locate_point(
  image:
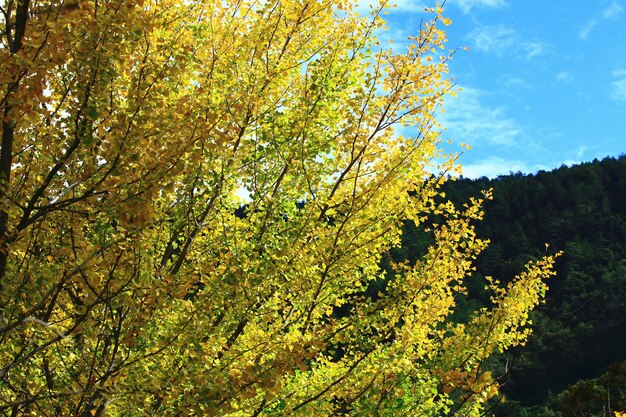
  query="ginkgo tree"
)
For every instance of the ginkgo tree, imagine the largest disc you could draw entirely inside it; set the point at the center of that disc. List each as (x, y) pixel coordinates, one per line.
(134, 281)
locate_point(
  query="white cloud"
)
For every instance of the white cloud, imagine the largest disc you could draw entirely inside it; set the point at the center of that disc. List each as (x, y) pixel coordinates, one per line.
(515, 82)
(467, 5)
(493, 166)
(469, 120)
(411, 6)
(618, 86)
(364, 7)
(613, 10)
(535, 49)
(492, 39)
(392, 36)
(585, 31)
(500, 40)
(416, 6)
(564, 77)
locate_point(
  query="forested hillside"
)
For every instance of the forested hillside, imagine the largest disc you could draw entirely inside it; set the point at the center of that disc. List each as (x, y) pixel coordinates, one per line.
(581, 329)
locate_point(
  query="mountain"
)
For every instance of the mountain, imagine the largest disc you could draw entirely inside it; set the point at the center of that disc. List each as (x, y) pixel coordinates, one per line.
(581, 329)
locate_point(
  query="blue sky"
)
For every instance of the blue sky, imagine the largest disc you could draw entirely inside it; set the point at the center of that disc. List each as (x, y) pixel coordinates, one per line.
(543, 84)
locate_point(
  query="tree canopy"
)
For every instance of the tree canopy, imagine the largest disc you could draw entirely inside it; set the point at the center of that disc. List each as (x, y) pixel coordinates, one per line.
(131, 285)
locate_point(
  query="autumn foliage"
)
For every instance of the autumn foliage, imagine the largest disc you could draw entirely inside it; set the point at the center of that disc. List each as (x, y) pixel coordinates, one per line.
(131, 282)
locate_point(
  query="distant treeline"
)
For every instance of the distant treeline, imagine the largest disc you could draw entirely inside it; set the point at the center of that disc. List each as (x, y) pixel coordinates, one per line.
(581, 330)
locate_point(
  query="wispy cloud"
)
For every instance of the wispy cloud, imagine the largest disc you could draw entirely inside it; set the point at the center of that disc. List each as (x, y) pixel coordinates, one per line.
(514, 82)
(585, 31)
(493, 166)
(564, 77)
(618, 86)
(500, 40)
(534, 49)
(496, 39)
(392, 36)
(410, 6)
(613, 11)
(469, 120)
(468, 5)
